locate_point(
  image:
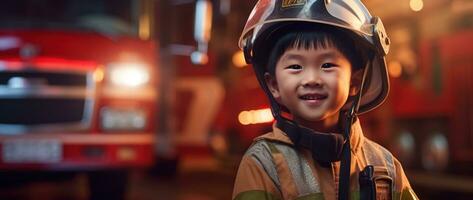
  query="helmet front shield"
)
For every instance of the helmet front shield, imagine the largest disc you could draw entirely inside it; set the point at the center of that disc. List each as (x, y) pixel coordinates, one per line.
(349, 14)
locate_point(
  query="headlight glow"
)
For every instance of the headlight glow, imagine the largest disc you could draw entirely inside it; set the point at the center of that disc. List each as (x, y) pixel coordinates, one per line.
(255, 116)
(128, 74)
(123, 119)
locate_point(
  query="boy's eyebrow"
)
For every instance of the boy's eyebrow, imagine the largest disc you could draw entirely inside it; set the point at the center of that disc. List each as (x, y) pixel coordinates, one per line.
(295, 56)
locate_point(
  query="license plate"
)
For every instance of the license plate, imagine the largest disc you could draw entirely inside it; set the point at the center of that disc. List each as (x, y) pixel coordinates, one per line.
(31, 151)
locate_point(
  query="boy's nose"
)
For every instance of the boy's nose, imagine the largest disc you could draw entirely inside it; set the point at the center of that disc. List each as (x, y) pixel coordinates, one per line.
(311, 79)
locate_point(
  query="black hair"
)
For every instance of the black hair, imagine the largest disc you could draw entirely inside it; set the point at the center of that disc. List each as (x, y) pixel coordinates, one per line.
(304, 35)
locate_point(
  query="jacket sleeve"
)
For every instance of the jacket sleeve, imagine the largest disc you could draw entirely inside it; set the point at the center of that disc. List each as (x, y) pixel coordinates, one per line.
(403, 187)
(252, 182)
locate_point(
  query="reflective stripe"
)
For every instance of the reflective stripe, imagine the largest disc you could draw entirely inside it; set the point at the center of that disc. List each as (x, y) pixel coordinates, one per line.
(300, 170)
(261, 153)
(390, 165)
(408, 194)
(266, 152)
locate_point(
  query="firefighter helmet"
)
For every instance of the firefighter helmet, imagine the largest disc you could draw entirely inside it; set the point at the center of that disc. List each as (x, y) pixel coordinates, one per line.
(348, 15)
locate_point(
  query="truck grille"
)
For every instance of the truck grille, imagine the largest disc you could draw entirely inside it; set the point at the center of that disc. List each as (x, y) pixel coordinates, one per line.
(36, 111)
(45, 100)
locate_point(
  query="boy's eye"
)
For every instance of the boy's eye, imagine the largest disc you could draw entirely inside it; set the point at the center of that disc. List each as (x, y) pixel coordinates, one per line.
(294, 67)
(328, 65)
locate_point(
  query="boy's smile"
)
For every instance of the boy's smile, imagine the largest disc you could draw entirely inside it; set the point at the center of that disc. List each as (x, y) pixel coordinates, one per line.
(313, 84)
(313, 98)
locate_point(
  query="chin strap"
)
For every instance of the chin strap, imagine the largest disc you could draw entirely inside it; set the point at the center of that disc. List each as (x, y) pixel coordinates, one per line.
(325, 147)
(344, 175)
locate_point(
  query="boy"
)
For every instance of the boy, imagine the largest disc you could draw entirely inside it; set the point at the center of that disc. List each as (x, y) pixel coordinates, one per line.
(321, 63)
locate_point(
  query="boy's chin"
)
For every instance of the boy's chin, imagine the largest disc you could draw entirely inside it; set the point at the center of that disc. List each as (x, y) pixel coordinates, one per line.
(317, 119)
(310, 118)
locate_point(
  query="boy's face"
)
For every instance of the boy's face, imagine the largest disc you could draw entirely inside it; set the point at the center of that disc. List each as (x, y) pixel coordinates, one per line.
(314, 84)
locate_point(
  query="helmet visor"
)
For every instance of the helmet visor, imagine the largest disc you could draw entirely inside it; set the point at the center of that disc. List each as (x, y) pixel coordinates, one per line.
(348, 14)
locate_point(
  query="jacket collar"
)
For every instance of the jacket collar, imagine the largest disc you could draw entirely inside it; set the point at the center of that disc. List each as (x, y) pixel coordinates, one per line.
(356, 136)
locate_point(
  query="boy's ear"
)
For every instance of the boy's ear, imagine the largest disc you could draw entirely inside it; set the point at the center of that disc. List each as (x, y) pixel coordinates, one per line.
(272, 85)
(355, 82)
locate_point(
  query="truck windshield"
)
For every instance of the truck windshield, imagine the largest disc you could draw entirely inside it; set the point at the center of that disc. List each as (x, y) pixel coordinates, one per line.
(110, 17)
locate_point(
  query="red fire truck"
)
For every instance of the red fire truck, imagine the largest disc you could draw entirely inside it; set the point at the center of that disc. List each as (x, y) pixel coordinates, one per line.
(426, 121)
(78, 88)
(431, 112)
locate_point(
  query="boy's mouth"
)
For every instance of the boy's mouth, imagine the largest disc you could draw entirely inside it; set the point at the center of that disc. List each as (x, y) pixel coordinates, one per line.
(313, 97)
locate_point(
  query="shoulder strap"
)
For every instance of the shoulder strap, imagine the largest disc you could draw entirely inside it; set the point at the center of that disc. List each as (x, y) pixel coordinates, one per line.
(379, 157)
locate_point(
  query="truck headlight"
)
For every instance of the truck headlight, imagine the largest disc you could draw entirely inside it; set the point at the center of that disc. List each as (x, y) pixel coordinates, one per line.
(128, 74)
(123, 119)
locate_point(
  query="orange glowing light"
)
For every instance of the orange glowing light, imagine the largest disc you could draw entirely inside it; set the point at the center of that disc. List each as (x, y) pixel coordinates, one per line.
(98, 74)
(238, 59)
(255, 116)
(416, 5)
(395, 69)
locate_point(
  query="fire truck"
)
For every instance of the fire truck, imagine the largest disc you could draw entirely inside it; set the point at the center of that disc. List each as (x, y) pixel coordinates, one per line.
(427, 119)
(431, 113)
(78, 88)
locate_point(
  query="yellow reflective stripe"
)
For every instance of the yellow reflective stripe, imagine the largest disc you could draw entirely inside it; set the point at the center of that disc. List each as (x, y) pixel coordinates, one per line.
(272, 148)
(255, 195)
(408, 194)
(355, 195)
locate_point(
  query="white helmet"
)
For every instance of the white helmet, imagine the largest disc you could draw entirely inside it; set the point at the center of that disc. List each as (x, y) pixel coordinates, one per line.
(349, 15)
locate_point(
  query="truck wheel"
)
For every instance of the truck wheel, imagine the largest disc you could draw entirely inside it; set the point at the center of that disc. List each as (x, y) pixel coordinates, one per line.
(108, 184)
(435, 153)
(404, 147)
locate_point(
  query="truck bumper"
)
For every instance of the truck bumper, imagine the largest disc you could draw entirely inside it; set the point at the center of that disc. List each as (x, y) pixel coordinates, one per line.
(76, 151)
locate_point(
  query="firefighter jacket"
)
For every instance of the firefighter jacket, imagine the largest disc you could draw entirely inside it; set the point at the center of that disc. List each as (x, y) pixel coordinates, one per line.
(272, 168)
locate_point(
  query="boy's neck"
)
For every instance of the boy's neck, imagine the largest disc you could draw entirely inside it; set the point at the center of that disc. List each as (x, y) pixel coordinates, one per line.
(327, 125)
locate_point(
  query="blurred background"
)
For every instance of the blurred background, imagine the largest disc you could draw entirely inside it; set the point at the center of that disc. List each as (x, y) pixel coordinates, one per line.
(152, 99)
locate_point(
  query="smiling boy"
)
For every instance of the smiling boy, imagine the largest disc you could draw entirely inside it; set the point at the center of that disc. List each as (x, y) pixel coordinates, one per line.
(320, 63)
(313, 83)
